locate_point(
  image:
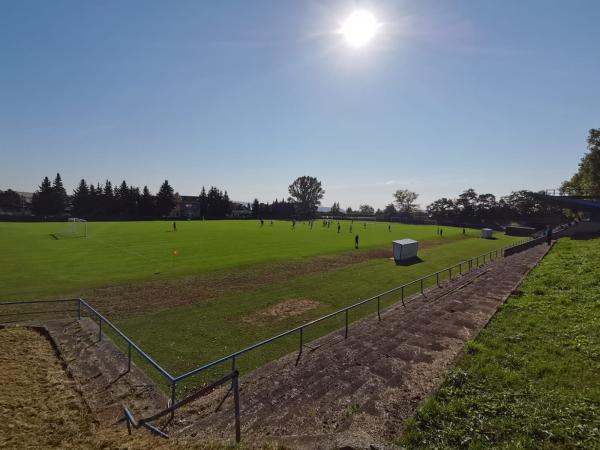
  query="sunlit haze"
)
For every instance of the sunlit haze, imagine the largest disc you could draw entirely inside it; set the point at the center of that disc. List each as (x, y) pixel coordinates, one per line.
(359, 28)
(367, 96)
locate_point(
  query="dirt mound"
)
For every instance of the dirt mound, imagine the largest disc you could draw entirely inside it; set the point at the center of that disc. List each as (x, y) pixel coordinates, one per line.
(282, 310)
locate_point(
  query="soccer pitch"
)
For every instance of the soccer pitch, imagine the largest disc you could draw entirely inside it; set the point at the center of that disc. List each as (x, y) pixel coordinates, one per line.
(213, 287)
(34, 264)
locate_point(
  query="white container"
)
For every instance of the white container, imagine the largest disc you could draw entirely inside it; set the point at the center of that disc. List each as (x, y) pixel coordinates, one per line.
(405, 249)
(486, 233)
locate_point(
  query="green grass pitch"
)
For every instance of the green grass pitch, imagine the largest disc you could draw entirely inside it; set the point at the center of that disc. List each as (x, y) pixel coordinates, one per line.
(35, 265)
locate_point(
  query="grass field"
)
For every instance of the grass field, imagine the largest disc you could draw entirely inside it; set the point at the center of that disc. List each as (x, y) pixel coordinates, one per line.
(531, 379)
(232, 282)
(34, 264)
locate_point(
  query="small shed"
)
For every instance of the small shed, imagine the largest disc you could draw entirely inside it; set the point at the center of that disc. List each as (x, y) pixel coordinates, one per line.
(486, 233)
(405, 249)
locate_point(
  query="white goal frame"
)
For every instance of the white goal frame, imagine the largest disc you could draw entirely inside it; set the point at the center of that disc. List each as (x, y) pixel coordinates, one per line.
(72, 230)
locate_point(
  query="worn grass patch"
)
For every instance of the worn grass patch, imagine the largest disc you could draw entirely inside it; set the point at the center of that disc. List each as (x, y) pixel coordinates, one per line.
(532, 378)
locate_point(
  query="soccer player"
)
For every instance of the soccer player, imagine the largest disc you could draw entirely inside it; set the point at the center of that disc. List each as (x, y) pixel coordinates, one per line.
(390, 228)
(339, 227)
(356, 241)
(174, 226)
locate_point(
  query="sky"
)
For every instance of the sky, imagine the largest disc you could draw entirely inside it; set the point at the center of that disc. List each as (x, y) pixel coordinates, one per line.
(248, 95)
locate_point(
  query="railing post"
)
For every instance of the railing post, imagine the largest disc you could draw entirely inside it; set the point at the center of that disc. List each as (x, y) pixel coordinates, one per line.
(378, 309)
(301, 339)
(173, 396)
(449, 273)
(437, 279)
(129, 357)
(460, 268)
(99, 328)
(402, 295)
(478, 261)
(236, 401)
(79, 309)
(422, 293)
(346, 331)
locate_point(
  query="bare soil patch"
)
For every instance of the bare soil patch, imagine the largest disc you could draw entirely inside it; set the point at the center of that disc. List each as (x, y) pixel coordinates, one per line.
(42, 407)
(282, 310)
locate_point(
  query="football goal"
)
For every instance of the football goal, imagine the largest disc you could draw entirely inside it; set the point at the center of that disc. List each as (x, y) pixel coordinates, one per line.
(75, 228)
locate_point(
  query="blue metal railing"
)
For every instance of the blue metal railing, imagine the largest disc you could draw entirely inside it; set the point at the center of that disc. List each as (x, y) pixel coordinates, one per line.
(461, 267)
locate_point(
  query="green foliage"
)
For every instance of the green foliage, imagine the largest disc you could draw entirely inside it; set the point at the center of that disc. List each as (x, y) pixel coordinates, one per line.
(405, 200)
(587, 179)
(307, 192)
(531, 379)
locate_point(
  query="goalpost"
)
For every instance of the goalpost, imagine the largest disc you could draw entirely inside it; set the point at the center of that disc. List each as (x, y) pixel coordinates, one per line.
(76, 228)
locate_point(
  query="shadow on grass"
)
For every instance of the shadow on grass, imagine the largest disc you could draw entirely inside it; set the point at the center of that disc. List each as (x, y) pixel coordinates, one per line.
(409, 262)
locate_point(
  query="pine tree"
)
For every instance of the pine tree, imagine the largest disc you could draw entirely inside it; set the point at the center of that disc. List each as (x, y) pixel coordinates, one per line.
(81, 198)
(59, 195)
(146, 204)
(165, 199)
(203, 203)
(47, 199)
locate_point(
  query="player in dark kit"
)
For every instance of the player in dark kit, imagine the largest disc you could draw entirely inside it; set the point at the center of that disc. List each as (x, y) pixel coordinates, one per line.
(356, 241)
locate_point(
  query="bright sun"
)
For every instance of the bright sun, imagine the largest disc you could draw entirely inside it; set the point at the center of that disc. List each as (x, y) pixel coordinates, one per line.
(359, 28)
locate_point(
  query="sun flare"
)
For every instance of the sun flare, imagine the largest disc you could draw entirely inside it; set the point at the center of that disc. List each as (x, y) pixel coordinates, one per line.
(359, 28)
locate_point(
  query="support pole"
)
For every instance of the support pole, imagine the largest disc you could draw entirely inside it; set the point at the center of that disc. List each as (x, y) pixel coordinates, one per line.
(129, 357)
(236, 400)
(173, 396)
(346, 331)
(378, 309)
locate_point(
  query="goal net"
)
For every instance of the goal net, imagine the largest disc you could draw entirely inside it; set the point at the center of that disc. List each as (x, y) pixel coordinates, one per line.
(75, 228)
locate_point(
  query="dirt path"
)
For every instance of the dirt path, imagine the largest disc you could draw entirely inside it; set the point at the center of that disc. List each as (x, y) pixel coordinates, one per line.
(358, 392)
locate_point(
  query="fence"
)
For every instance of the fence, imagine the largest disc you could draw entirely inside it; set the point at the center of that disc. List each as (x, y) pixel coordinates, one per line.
(457, 269)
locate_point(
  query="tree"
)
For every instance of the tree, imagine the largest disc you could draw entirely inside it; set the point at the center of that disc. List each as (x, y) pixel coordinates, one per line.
(335, 209)
(405, 200)
(307, 193)
(49, 199)
(389, 210)
(486, 207)
(203, 203)
(108, 199)
(587, 179)
(165, 199)
(366, 209)
(11, 200)
(466, 204)
(442, 209)
(255, 208)
(146, 204)
(349, 210)
(81, 198)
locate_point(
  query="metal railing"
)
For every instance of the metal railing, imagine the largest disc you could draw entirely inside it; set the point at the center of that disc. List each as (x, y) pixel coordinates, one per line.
(456, 270)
